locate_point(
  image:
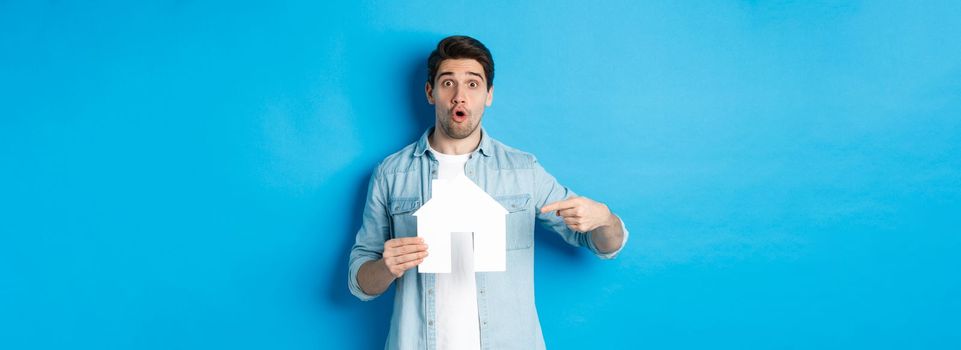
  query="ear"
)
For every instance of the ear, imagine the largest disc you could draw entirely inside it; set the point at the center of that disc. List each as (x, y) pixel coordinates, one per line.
(428, 91)
(490, 97)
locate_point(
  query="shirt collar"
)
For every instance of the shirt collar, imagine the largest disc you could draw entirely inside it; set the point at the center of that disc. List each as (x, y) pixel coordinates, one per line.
(422, 144)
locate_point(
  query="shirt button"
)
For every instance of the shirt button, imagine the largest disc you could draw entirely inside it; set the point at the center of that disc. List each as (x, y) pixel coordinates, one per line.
(432, 323)
(430, 291)
(481, 291)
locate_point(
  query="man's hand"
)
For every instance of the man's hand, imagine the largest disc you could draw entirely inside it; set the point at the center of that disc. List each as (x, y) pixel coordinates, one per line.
(402, 254)
(582, 214)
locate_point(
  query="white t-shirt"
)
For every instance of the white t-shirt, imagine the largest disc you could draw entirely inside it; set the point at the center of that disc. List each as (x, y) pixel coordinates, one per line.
(456, 292)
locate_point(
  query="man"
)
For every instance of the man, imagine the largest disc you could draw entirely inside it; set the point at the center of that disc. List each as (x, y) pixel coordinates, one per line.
(466, 309)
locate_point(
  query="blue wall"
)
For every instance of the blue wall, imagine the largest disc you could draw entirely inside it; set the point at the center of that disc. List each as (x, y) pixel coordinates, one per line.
(190, 175)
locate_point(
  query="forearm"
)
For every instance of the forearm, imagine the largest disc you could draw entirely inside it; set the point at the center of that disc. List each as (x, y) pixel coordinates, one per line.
(374, 277)
(608, 238)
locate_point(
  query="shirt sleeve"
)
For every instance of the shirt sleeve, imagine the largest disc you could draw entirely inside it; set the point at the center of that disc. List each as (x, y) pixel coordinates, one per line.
(374, 231)
(547, 190)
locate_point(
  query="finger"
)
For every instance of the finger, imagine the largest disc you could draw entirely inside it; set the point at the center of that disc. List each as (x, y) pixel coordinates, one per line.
(410, 264)
(577, 224)
(398, 270)
(563, 204)
(407, 249)
(397, 242)
(413, 248)
(570, 212)
(577, 227)
(403, 259)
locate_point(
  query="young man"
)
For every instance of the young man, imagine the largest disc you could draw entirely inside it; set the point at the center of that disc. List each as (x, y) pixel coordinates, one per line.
(466, 309)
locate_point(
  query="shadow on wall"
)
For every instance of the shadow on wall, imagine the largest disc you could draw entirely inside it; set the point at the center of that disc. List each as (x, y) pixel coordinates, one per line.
(374, 316)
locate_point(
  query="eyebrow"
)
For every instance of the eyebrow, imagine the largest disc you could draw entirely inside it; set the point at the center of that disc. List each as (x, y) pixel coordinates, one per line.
(469, 73)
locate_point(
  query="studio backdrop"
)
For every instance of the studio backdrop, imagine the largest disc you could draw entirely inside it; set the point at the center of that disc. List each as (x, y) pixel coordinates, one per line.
(191, 174)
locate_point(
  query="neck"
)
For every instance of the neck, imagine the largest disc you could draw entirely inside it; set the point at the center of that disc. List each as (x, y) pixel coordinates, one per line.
(442, 143)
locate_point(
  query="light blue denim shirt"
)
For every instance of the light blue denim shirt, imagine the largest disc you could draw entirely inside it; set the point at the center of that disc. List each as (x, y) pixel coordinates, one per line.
(505, 300)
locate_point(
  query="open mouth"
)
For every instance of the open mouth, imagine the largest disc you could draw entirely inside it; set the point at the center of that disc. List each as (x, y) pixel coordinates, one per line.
(459, 116)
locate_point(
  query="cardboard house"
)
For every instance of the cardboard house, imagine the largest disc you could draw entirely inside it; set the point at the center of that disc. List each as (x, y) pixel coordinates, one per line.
(459, 205)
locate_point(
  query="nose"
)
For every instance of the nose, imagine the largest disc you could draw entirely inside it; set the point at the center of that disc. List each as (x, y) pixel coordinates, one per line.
(459, 96)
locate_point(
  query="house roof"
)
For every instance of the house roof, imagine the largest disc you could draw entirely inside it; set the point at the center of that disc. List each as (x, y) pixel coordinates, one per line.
(459, 193)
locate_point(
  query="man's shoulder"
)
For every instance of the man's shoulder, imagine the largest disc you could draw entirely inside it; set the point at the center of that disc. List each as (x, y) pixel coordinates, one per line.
(396, 162)
(509, 157)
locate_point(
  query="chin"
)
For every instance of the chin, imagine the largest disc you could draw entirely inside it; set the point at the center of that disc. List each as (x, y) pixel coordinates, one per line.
(459, 134)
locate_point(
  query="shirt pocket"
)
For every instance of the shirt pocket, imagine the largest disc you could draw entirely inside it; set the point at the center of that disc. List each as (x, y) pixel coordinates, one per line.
(520, 220)
(403, 223)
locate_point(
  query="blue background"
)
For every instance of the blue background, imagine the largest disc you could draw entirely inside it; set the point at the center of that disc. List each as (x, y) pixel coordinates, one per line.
(190, 175)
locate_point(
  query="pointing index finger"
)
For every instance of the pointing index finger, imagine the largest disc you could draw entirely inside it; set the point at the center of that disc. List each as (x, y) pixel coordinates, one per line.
(559, 205)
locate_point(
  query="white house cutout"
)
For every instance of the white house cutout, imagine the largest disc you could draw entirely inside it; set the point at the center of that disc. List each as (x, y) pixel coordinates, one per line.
(459, 205)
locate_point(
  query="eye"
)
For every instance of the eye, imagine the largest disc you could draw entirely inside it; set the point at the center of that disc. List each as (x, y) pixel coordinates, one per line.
(472, 84)
(448, 83)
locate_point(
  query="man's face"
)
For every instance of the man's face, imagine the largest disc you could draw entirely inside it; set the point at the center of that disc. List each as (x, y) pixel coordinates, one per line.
(459, 96)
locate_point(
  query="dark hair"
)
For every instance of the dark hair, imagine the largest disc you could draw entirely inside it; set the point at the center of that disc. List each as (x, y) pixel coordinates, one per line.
(457, 47)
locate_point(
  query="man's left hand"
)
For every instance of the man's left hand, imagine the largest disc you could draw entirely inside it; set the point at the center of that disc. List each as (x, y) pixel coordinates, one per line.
(582, 214)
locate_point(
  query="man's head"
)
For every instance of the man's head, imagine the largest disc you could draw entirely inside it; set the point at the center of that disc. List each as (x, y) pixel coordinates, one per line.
(460, 83)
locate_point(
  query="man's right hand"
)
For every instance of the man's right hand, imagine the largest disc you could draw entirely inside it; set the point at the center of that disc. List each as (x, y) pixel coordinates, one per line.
(402, 254)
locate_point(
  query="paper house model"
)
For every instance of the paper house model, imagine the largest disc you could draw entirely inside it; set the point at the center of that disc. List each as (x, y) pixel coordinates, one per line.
(459, 205)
